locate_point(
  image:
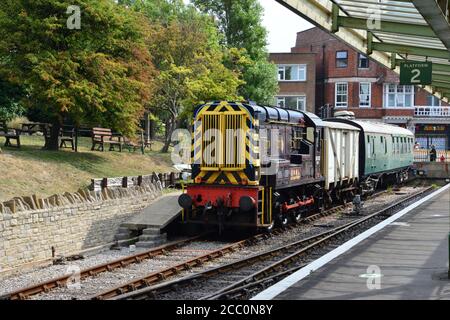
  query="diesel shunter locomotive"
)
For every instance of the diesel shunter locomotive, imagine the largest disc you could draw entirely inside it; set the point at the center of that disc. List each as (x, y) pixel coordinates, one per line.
(257, 166)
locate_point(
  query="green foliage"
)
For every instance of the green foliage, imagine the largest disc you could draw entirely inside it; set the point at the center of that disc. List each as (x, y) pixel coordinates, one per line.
(9, 101)
(261, 82)
(188, 55)
(240, 24)
(101, 74)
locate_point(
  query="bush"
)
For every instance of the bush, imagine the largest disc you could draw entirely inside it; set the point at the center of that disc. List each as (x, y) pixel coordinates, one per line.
(16, 122)
(11, 111)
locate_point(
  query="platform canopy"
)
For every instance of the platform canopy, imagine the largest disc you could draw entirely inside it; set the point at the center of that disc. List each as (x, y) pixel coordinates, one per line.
(390, 32)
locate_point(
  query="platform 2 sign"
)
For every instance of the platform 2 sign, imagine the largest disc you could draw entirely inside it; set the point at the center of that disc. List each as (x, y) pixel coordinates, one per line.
(416, 73)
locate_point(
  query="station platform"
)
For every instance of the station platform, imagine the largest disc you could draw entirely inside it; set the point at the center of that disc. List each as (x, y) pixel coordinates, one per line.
(157, 215)
(406, 259)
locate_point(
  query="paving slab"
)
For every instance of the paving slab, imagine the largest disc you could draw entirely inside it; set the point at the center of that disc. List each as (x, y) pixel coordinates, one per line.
(157, 215)
(408, 259)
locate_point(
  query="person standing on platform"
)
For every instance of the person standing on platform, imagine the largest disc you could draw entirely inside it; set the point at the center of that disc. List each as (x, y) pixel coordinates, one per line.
(433, 153)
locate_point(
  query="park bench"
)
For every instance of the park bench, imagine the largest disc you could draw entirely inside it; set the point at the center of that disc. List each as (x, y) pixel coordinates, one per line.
(67, 135)
(9, 134)
(138, 142)
(102, 136)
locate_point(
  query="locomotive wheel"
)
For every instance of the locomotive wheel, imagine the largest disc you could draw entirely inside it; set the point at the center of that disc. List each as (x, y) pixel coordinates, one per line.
(297, 217)
(283, 220)
(269, 229)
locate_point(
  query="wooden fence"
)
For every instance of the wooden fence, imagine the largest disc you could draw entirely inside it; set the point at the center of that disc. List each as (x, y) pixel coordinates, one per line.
(423, 155)
(166, 180)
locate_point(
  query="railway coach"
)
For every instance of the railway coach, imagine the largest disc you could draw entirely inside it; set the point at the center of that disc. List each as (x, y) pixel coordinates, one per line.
(257, 166)
(386, 152)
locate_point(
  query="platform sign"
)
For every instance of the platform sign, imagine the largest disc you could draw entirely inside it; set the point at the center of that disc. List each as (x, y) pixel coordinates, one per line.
(416, 73)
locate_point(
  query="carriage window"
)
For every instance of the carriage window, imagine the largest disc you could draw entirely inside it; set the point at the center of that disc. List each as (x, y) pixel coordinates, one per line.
(373, 145)
(385, 145)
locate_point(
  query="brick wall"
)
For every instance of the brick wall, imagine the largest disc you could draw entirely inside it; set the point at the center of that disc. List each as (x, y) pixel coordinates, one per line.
(325, 46)
(29, 227)
(307, 87)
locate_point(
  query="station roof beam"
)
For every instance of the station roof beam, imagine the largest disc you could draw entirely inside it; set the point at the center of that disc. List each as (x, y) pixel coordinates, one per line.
(390, 31)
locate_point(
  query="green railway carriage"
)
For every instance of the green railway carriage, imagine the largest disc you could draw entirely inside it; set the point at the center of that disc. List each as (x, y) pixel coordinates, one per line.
(386, 151)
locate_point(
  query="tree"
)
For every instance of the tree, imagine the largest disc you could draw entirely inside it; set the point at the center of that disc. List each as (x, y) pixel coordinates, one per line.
(240, 24)
(101, 74)
(186, 51)
(10, 96)
(190, 72)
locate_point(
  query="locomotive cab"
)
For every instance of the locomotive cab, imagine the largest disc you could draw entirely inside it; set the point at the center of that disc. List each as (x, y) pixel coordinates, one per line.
(251, 165)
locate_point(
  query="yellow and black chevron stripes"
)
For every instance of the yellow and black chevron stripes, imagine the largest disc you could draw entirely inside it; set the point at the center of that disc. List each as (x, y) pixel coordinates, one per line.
(235, 166)
(225, 177)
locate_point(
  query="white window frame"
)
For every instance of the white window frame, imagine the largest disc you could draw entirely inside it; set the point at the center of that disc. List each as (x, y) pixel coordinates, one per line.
(299, 98)
(434, 98)
(397, 94)
(281, 99)
(368, 61)
(370, 94)
(300, 67)
(336, 95)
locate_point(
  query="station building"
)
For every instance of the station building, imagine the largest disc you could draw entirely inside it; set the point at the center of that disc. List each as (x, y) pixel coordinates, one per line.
(296, 80)
(347, 80)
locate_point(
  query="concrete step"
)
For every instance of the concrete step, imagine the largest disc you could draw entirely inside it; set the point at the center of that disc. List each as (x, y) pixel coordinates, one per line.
(122, 236)
(123, 230)
(151, 231)
(149, 244)
(146, 237)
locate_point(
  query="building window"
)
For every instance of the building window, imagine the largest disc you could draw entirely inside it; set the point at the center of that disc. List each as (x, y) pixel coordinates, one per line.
(397, 96)
(292, 102)
(363, 61)
(364, 94)
(294, 72)
(433, 101)
(281, 102)
(341, 59)
(341, 94)
(301, 103)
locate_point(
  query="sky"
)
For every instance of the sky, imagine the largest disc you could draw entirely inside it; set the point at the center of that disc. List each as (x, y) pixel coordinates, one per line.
(282, 26)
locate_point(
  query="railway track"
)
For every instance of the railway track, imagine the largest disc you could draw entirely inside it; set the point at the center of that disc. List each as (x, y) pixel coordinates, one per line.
(161, 275)
(60, 282)
(243, 278)
(165, 272)
(46, 286)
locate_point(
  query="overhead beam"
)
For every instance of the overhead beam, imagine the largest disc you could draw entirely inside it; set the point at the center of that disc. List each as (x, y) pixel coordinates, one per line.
(438, 18)
(436, 66)
(418, 51)
(385, 26)
(320, 14)
(441, 78)
(437, 85)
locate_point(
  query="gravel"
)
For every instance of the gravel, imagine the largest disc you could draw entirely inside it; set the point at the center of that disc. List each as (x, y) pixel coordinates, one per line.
(107, 280)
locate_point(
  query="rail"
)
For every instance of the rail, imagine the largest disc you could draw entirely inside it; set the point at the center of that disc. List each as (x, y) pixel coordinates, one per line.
(288, 254)
(46, 286)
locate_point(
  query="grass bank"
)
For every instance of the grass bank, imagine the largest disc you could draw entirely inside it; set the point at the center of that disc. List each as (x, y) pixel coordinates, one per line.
(31, 170)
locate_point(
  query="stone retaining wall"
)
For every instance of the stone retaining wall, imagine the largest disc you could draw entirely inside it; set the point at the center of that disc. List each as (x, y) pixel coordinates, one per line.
(30, 226)
(434, 170)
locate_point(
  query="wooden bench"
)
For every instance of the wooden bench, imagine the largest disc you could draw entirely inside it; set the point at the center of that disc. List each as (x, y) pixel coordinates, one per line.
(138, 142)
(100, 136)
(9, 134)
(67, 135)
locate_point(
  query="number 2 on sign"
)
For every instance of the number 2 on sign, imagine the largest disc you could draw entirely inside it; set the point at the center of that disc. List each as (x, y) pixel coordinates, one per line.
(416, 75)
